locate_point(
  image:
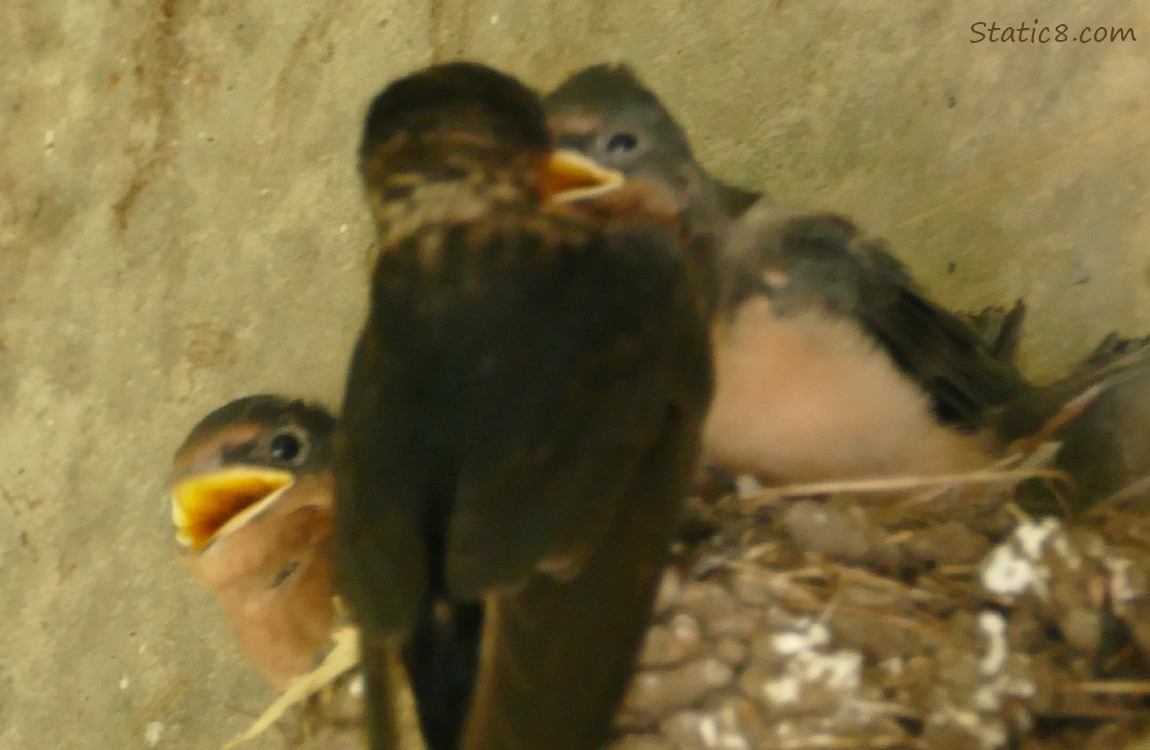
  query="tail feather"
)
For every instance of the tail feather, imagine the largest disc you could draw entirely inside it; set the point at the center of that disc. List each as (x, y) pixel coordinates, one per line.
(1101, 415)
(558, 656)
(442, 659)
(381, 706)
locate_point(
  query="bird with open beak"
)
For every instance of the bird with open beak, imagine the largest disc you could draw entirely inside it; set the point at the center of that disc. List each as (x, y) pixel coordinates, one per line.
(522, 409)
(830, 362)
(252, 503)
(605, 112)
(261, 540)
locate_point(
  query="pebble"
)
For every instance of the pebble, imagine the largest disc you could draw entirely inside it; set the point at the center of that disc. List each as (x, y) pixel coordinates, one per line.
(948, 543)
(837, 532)
(753, 586)
(741, 624)
(731, 651)
(655, 695)
(682, 731)
(639, 742)
(670, 590)
(716, 729)
(676, 641)
(709, 602)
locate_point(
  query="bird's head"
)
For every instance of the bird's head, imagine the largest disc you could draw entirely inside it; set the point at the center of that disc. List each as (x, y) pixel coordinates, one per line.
(252, 500)
(606, 113)
(469, 126)
(240, 460)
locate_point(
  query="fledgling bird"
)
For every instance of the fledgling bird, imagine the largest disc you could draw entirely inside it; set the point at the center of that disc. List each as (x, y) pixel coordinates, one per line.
(252, 504)
(1105, 450)
(252, 496)
(605, 112)
(849, 369)
(830, 362)
(522, 410)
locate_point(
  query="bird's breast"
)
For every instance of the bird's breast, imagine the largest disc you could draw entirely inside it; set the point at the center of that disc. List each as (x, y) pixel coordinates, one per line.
(808, 397)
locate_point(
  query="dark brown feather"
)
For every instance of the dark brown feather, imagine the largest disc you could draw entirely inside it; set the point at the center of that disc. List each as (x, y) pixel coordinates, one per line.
(521, 366)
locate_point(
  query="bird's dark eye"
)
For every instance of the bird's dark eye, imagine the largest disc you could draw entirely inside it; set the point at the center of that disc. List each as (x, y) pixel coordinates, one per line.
(285, 447)
(622, 143)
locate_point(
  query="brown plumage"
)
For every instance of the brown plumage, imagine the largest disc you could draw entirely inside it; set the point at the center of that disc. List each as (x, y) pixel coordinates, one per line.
(521, 416)
(815, 318)
(282, 620)
(830, 362)
(252, 503)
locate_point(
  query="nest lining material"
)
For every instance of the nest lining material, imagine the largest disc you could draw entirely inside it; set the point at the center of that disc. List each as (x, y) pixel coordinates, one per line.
(929, 613)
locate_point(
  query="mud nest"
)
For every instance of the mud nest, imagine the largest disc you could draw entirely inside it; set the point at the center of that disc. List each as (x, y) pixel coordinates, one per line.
(963, 613)
(974, 612)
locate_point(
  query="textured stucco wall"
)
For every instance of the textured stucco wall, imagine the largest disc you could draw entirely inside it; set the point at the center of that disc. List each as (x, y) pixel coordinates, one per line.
(180, 224)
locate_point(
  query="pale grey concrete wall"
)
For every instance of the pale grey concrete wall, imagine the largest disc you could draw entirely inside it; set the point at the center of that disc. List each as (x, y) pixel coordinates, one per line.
(180, 224)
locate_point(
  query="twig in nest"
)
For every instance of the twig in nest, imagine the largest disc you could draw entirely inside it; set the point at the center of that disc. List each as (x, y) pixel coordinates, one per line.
(1099, 713)
(838, 742)
(343, 657)
(1042, 456)
(1111, 687)
(1071, 410)
(797, 596)
(772, 495)
(958, 591)
(956, 571)
(1135, 490)
(885, 708)
(933, 632)
(809, 573)
(900, 537)
(864, 577)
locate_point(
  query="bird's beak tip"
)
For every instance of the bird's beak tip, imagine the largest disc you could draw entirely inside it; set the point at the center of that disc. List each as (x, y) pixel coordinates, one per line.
(569, 176)
(206, 505)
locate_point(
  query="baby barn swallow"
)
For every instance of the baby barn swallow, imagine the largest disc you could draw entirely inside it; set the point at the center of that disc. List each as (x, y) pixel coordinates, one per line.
(830, 363)
(522, 410)
(1104, 450)
(605, 112)
(848, 368)
(252, 504)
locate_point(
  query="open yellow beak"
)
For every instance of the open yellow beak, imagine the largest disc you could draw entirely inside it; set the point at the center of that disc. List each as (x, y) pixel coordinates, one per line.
(207, 505)
(570, 176)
